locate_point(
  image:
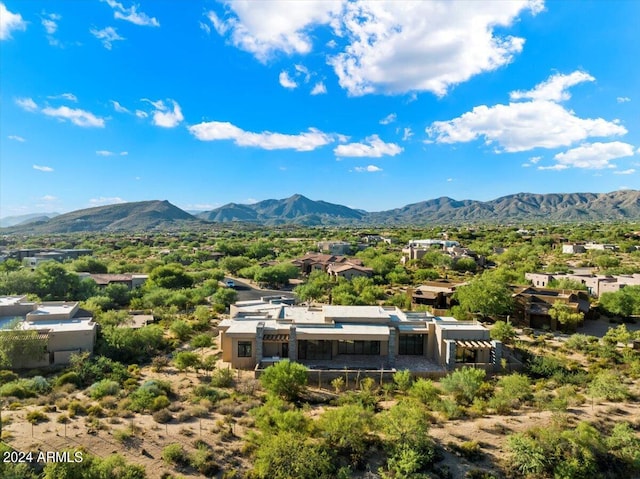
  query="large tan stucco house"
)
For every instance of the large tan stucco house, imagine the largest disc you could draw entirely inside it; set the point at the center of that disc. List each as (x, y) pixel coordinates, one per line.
(262, 332)
(63, 326)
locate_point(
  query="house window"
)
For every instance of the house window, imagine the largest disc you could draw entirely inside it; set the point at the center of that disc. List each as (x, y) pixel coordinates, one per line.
(359, 347)
(244, 349)
(310, 349)
(411, 344)
(465, 355)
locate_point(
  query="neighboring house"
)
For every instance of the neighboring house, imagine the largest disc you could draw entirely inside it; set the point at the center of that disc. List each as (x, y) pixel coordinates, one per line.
(601, 246)
(416, 249)
(429, 243)
(573, 248)
(321, 262)
(437, 294)
(34, 256)
(335, 247)
(333, 337)
(457, 252)
(532, 305)
(64, 327)
(130, 280)
(349, 271)
(595, 284)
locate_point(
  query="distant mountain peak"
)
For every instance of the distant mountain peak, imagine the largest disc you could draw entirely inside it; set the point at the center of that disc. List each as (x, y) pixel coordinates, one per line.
(298, 209)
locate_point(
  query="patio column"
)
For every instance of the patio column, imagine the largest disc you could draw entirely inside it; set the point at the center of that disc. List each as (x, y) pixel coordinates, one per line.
(259, 338)
(293, 343)
(391, 356)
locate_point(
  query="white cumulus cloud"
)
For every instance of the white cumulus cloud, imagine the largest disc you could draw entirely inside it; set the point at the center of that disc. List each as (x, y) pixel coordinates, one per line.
(319, 89)
(553, 89)
(623, 99)
(406, 134)
(10, 22)
(75, 115)
(399, 46)
(522, 126)
(132, 14)
(163, 115)
(372, 147)
(367, 169)
(46, 169)
(50, 25)
(267, 140)
(64, 96)
(16, 138)
(107, 36)
(26, 104)
(391, 46)
(593, 155)
(48, 198)
(118, 107)
(263, 28)
(286, 81)
(630, 171)
(390, 118)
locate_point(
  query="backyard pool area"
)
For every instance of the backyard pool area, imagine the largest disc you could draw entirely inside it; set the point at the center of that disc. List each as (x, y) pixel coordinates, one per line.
(7, 322)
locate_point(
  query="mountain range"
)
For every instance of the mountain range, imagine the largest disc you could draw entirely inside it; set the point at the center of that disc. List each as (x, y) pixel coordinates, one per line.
(297, 209)
(8, 221)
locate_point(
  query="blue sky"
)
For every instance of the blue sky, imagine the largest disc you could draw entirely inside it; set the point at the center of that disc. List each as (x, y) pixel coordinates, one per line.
(373, 105)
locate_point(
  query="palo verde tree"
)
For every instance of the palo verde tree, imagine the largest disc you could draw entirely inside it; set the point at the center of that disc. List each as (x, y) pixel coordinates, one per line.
(485, 296)
(170, 276)
(285, 379)
(566, 316)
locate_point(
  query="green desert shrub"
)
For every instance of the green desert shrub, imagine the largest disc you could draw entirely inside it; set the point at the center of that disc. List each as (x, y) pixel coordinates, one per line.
(201, 341)
(70, 377)
(103, 388)
(174, 454)
(222, 378)
(142, 399)
(36, 416)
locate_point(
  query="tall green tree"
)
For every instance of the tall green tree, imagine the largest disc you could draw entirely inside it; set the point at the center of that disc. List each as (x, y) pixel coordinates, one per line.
(291, 455)
(566, 316)
(485, 296)
(170, 276)
(286, 379)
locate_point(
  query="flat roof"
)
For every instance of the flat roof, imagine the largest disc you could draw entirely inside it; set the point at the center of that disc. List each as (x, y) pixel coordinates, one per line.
(61, 326)
(11, 300)
(249, 326)
(51, 308)
(301, 315)
(353, 331)
(377, 312)
(462, 325)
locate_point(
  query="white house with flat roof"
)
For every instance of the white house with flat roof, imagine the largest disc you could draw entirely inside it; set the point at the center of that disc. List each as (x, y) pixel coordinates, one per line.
(65, 327)
(332, 337)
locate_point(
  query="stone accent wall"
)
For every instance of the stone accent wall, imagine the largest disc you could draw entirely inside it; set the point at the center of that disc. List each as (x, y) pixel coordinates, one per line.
(259, 338)
(293, 344)
(391, 356)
